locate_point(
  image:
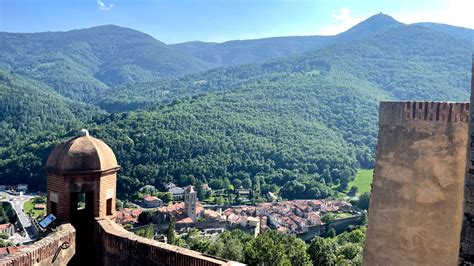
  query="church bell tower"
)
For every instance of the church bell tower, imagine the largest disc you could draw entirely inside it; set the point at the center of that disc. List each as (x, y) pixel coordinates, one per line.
(190, 202)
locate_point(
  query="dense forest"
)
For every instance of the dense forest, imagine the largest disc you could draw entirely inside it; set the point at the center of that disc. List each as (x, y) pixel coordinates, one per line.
(300, 124)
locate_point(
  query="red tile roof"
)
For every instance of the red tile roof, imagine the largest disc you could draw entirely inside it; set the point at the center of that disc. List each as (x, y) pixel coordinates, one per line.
(39, 206)
(5, 226)
(186, 220)
(150, 198)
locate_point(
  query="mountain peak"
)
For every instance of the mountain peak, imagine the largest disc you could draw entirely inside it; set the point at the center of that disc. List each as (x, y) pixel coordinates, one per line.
(373, 25)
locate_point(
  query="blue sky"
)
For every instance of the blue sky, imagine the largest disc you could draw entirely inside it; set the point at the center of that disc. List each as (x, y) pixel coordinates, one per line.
(175, 21)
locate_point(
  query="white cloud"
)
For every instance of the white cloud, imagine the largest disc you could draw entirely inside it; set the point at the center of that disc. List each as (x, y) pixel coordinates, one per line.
(103, 6)
(342, 22)
(453, 12)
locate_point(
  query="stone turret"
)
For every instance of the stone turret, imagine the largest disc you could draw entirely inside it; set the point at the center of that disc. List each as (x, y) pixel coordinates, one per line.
(82, 174)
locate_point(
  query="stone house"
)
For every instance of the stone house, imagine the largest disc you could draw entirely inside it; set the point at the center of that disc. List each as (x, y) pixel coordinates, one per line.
(8, 229)
(151, 202)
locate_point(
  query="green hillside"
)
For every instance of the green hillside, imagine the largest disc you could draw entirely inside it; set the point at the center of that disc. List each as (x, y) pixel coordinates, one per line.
(403, 62)
(319, 107)
(80, 64)
(28, 108)
(32, 119)
(284, 128)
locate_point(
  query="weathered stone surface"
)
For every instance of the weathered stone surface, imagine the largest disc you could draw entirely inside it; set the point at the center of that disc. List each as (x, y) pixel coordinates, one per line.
(416, 210)
(43, 252)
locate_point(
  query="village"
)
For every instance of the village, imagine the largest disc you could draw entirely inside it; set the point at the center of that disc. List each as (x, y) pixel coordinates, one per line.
(183, 206)
(299, 217)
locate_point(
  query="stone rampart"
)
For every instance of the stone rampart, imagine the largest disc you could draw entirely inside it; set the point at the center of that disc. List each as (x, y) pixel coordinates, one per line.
(416, 205)
(56, 249)
(117, 246)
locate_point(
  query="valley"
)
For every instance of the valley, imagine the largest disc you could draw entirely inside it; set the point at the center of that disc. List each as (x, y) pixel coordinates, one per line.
(277, 131)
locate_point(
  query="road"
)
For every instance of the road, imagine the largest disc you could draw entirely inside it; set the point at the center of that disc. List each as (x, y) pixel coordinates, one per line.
(17, 201)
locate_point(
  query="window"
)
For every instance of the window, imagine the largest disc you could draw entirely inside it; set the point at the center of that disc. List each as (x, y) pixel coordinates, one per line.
(54, 208)
(109, 206)
(81, 201)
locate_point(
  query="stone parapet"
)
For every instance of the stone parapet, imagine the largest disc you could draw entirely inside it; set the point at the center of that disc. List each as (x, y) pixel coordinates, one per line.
(397, 113)
(120, 247)
(56, 249)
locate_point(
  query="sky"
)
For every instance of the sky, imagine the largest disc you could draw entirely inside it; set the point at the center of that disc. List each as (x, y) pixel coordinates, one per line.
(174, 21)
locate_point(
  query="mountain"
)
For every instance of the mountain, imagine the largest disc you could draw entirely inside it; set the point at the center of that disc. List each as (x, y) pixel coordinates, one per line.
(301, 118)
(84, 64)
(251, 51)
(80, 64)
(459, 32)
(259, 50)
(374, 25)
(404, 62)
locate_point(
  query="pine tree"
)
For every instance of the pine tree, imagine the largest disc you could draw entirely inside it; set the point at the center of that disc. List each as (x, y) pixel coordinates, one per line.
(170, 232)
(3, 216)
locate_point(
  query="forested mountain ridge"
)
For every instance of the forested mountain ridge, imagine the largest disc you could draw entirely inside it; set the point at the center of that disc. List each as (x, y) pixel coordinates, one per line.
(85, 64)
(459, 32)
(80, 64)
(33, 117)
(326, 98)
(28, 108)
(405, 62)
(259, 50)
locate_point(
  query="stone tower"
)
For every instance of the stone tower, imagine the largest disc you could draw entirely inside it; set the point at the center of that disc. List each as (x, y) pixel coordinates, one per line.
(190, 202)
(81, 174)
(466, 254)
(416, 204)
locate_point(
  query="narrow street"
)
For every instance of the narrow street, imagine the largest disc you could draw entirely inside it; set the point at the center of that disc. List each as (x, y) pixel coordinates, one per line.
(17, 202)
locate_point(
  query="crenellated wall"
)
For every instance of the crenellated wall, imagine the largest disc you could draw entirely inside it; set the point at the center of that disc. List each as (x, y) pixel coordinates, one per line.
(56, 249)
(416, 206)
(117, 246)
(437, 111)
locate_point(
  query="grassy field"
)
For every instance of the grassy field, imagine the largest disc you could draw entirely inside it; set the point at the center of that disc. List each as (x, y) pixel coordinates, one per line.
(363, 180)
(29, 207)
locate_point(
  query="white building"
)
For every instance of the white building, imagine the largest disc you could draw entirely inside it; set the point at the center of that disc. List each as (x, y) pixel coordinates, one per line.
(177, 192)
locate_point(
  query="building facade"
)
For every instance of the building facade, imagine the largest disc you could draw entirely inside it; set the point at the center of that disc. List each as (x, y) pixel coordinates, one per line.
(7, 228)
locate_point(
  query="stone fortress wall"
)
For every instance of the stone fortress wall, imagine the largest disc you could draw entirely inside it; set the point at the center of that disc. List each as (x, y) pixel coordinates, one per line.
(56, 249)
(118, 246)
(416, 207)
(114, 245)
